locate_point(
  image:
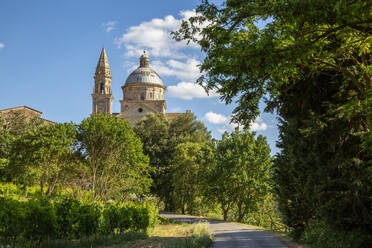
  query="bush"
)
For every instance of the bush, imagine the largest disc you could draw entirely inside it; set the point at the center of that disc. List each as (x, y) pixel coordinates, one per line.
(36, 220)
(12, 219)
(40, 220)
(124, 217)
(319, 234)
(89, 219)
(67, 211)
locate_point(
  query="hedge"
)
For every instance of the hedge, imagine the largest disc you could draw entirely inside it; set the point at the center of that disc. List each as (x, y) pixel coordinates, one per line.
(36, 220)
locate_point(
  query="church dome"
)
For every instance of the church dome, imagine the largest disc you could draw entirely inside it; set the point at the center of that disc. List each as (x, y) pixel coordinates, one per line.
(144, 73)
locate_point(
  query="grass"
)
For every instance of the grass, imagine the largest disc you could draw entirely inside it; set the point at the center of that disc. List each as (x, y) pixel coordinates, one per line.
(169, 235)
(174, 236)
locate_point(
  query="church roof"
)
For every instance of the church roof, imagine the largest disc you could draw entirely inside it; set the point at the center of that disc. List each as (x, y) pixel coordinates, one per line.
(103, 67)
(103, 61)
(144, 73)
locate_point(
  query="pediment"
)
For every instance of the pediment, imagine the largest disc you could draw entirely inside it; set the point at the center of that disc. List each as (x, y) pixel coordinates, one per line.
(137, 110)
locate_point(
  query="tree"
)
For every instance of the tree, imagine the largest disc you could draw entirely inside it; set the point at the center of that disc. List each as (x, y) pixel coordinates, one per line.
(242, 174)
(247, 62)
(41, 155)
(114, 155)
(185, 176)
(186, 128)
(154, 133)
(323, 175)
(312, 60)
(160, 137)
(13, 125)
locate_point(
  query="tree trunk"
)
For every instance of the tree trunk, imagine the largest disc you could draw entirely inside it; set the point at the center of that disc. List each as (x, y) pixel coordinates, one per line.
(52, 184)
(94, 169)
(42, 187)
(241, 213)
(225, 212)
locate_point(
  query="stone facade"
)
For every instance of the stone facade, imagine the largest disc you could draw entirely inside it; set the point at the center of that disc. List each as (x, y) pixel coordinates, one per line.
(102, 93)
(143, 91)
(25, 112)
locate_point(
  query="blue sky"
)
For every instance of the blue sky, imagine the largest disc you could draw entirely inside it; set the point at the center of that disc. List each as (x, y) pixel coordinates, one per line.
(49, 50)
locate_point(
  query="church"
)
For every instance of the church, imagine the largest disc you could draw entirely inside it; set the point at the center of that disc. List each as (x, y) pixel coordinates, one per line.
(143, 91)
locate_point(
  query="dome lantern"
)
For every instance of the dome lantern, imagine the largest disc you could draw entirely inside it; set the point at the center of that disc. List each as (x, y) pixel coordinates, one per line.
(144, 73)
(144, 60)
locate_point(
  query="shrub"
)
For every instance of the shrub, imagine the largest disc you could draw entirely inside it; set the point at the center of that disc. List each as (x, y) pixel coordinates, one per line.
(89, 219)
(68, 215)
(40, 220)
(12, 219)
(36, 220)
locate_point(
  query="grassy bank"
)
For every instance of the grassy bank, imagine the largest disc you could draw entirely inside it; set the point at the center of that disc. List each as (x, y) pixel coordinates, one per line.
(174, 235)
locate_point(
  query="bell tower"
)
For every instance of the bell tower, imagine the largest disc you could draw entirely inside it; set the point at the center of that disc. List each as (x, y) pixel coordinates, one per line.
(102, 93)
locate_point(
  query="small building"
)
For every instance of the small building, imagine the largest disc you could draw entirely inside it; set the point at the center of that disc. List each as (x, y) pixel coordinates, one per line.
(23, 112)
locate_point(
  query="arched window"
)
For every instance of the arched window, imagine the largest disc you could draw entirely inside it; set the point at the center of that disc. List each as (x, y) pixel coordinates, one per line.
(102, 89)
(142, 96)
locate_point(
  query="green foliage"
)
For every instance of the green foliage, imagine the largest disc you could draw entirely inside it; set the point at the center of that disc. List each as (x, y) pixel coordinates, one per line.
(311, 62)
(42, 155)
(89, 219)
(247, 62)
(67, 212)
(40, 220)
(320, 235)
(185, 177)
(12, 126)
(160, 138)
(11, 219)
(124, 217)
(241, 176)
(33, 221)
(114, 157)
(323, 174)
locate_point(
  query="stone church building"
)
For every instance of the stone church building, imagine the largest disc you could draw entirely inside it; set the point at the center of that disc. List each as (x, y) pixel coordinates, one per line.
(143, 91)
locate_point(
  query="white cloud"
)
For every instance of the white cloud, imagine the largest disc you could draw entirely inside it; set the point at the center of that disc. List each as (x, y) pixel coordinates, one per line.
(155, 37)
(185, 71)
(2, 45)
(258, 125)
(215, 118)
(188, 91)
(109, 26)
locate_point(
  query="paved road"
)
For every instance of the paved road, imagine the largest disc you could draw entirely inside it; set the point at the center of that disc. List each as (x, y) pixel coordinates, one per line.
(229, 235)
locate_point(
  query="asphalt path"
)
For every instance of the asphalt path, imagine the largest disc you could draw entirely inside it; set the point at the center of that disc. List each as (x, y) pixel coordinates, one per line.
(226, 235)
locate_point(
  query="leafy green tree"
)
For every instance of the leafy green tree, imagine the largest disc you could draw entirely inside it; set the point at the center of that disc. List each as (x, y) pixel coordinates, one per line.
(322, 173)
(154, 133)
(186, 128)
(242, 174)
(247, 62)
(160, 137)
(185, 177)
(114, 155)
(12, 126)
(42, 155)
